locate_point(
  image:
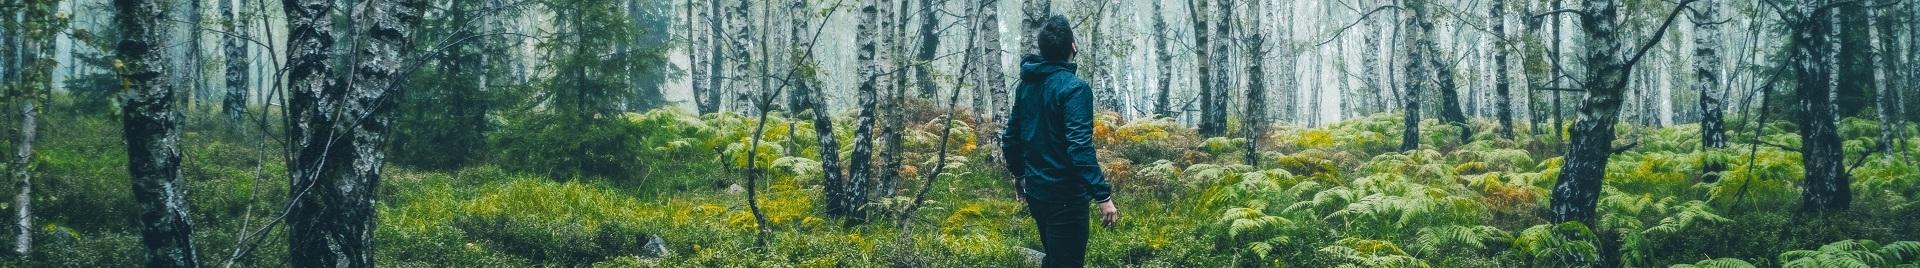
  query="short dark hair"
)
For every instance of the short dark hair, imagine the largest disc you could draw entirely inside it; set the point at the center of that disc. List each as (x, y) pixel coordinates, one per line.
(1055, 38)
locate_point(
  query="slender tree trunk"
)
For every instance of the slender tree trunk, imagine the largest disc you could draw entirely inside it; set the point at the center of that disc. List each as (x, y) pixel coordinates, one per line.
(23, 179)
(1502, 81)
(707, 93)
(896, 26)
(1450, 110)
(805, 81)
(235, 104)
(152, 135)
(1559, 116)
(1883, 105)
(742, 39)
(1202, 52)
(34, 63)
(1706, 73)
(1578, 191)
(993, 76)
(1256, 114)
(861, 164)
(1370, 61)
(1417, 74)
(928, 49)
(196, 56)
(1213, 112)
(1817, 65)
(1163, 58)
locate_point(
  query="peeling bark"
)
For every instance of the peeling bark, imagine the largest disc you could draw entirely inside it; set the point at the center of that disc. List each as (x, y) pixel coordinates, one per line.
(1706, 73)
(152, 123)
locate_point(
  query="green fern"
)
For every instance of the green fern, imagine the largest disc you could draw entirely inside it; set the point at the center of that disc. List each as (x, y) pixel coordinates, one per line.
(1855, 253)
(1717, 263)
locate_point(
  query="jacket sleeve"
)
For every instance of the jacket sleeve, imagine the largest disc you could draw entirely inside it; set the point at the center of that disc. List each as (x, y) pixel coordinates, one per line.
(1078, 115)
(1010, 148)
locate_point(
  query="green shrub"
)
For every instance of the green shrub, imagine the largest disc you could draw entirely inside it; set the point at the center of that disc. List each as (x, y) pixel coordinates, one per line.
(572, 222)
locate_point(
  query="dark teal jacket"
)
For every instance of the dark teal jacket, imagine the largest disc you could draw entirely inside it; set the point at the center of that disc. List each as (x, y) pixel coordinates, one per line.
(1048, 141)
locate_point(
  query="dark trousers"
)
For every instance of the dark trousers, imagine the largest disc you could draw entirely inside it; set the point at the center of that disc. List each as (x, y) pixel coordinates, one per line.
(1063, 232)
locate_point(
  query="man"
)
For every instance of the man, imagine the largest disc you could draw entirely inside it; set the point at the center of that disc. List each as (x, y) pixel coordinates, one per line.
(1048, 145)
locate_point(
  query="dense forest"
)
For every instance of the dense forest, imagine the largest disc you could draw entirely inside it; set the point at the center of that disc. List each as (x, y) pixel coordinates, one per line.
(866, 133)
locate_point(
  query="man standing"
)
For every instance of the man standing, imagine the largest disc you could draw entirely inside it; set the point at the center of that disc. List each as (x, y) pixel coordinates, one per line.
(1049, 148)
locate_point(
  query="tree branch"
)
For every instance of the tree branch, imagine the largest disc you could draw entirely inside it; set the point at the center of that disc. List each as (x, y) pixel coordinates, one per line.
(1363, 18)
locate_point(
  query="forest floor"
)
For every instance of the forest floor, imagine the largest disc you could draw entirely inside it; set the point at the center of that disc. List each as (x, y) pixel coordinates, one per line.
(1339, 195)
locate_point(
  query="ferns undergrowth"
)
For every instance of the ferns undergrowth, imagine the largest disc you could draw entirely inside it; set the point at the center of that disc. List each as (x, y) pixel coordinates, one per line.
(1337, 196)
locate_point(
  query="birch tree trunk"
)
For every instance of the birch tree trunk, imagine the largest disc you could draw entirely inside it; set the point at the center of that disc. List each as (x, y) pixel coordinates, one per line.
(152, 125)
(1197, 9)
(1213, 109)
(340, 129)
(896, 26)
(1502, 80)
(993, 76)
(1816, 62)
(872, 66)
(1163, 63)
(235, 103)
(805, 81)
(23, 178)
(742, 30)
(1882, 104)
(1417, 74)
(1256, 115)
(715, 72)
(1370, 66)
(1450, 110)
(1578, 191)
(1706, 73)
(928, 49)
(1034, 12)
(34, 62)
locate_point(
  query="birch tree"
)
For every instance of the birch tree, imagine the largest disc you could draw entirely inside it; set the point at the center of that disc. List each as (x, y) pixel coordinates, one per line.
(872, 68)
(1706, 74)
(1163, 63)
(1256, 113)
(340, 128)
(152, 133)
(1815, 58)
(34, 62)
(234, 44)
(1609, 63)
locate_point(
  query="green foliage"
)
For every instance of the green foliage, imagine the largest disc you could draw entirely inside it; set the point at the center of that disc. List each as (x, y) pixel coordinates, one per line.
(660, 148)
(1717, 263)
(1856, 253)
(1563, 245)
(573, 223)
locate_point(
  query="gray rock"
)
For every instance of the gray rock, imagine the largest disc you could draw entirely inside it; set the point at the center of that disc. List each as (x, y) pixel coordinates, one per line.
(1033, 256)
(735, 189)
(655, 248)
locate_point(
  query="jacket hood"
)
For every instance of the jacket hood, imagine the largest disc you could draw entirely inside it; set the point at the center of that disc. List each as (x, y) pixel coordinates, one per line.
(1033, 68)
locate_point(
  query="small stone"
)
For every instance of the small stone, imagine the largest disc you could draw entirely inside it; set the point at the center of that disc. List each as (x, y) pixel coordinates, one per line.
(736, 189)
(1033, 256)
(655, 248)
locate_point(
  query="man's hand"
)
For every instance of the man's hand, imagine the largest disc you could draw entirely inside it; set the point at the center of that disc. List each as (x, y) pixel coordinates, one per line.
(1108, 214)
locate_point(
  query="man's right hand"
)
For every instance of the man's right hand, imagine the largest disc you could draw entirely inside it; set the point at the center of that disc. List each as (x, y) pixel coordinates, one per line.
(1109, 215)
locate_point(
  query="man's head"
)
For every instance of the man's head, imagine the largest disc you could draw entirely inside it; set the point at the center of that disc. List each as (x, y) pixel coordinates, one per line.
(1056, 39)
